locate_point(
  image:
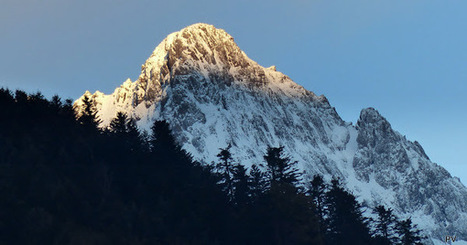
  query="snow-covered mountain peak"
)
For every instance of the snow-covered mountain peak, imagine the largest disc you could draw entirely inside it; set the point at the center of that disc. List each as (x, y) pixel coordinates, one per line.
(198, 44)
(202, 57)
(372, 125)
(204, 50)
(370, 115)
(371, 118)
(213, 95)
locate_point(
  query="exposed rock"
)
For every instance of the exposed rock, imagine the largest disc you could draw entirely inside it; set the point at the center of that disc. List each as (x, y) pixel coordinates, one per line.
(213, 95)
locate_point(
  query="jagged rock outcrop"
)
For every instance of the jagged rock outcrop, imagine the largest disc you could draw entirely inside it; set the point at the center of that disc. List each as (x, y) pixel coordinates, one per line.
(213, 95)
(417, 186)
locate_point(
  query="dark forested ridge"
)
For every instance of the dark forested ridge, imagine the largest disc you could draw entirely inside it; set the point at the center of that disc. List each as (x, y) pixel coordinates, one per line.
(65, 181)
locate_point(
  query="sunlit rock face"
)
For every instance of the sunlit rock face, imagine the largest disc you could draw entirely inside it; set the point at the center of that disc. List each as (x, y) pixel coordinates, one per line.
(213, 95)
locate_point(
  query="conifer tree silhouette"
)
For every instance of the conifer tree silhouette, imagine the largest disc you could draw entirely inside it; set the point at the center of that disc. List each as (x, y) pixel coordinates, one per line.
(134, 137)
(118, 125)
(385, 225)
(290, 215)
(164, 148)
(345, 221)
(258, 183)
(241, 185)
(409, 233)
(281, 169)
(226, 169)
(89, 118)
(59, 185)
(317, 191)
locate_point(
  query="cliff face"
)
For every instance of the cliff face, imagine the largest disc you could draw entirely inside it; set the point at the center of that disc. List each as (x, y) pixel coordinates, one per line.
(213, 95)
(418, 187)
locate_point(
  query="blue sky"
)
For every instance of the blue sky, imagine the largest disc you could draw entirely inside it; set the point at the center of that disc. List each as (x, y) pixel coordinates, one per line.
(405, 58)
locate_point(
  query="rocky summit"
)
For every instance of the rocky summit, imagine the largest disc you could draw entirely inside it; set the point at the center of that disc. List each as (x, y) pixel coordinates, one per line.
(213, 95)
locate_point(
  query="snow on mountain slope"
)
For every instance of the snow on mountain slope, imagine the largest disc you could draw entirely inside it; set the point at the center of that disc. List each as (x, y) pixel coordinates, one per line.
(213, 95)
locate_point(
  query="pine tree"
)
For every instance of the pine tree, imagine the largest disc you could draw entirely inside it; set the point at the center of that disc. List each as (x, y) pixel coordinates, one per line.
(226, 171)
(21, 97)
(6, 97)
(7, 102)
(38, 100)
(163, 145)
(345, 221)
(409, 233)
(241, 185)
(67, 111)
(286, 214)
(385, 225)
(134, 137)
(162, 136)
(281, 169)
(118, 125)
(89, 117)
(56, 104)
(126, 131)
(317, 191)
(257, 182)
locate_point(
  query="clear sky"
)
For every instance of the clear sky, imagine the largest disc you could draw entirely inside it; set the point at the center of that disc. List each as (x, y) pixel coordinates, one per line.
(408, 59)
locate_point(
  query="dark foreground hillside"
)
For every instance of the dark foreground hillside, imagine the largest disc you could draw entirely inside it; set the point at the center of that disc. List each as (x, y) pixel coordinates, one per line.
(64, 181)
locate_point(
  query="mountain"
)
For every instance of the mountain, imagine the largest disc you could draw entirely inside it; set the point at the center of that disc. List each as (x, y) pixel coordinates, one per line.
(213, 95)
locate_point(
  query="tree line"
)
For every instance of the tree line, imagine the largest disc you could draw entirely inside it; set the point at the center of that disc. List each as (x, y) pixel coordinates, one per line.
(64, 180)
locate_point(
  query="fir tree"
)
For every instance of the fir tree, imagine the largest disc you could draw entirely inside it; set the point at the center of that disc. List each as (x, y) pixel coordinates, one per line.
(385, 225)
(134, 137)
(21, 97)
(287, 214)
(6, 97)
(241, 185)
(56, 102)
(56, 105)
(127, 139)
(67, 111)
(119, 124)
(409, 233)
(89, 118)
(345, 221)
(281, 169)
(317, 191)
(257, 182)
(226, 169)
(38, 100)
(162, 137)
(163, 145)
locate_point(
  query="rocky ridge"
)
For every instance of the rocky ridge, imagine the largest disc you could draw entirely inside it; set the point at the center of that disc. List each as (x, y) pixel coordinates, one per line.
(213, 95)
